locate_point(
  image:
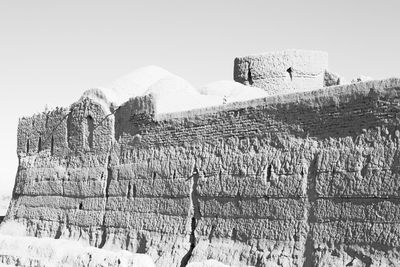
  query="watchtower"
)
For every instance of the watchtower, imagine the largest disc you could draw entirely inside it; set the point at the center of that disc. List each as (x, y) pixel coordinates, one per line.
(283, 72)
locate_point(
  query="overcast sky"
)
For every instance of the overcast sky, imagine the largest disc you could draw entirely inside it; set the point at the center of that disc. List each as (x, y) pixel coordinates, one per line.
(50, 51)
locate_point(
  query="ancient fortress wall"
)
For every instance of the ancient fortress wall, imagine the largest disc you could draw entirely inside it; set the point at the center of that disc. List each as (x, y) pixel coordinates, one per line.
(307, 179)
(285, 71)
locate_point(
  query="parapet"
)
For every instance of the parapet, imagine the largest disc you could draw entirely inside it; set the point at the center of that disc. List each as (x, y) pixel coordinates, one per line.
(283, 72)
(213, 182)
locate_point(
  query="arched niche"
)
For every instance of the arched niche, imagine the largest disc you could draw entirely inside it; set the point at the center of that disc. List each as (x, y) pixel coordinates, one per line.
(90, 127)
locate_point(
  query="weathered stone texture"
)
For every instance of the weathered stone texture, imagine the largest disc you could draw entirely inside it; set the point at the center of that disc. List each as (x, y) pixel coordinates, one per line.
(331, 79)
(283, 72)
(30, 251)
(301, 179)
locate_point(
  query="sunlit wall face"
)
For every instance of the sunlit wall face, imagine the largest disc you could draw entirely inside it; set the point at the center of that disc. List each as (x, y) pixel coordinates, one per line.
(50, 51)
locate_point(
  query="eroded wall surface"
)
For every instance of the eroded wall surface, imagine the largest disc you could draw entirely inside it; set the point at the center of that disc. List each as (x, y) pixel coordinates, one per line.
(287, 71)
(295, 180)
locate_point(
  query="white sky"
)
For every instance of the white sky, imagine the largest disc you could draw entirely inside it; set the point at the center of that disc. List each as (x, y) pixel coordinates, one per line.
(50, 51)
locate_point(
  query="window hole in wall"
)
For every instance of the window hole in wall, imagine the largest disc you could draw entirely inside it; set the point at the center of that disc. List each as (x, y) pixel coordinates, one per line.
(143, 244)
(52, 145)
(269, 172)
(81, 206)
(128, 195)
(234, 234)
(27, 146)
(290, 71)
(90, 125)
(40, 144)
(249, 77)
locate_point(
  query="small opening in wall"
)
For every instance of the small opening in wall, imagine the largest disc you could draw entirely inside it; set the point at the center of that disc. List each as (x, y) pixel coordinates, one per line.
(290, 71)
(234, 234)
(90, 125)
(269, 172)
(249, 77)
(81, 206)
(52, 145)
(40, 144)
(134, 190)
(27, 146)
(128, 195)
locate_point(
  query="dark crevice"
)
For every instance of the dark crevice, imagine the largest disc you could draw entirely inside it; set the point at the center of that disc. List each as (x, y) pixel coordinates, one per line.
(195, 194)
(311, 197)
(367, 261)
(212, 233)
(40, 144)
(103, 237)
(290, 71)
(131, 191)
(108, 181)
(364, 171)
(127, 241)
(188, 255)
(269, 173)
(90, 125)
(58, 233)
(80, 206)
(142, 246)
(27, 146)
(128, 195)
(52, 145)
(249, 77)
(109, 176)
(234, 234)
(196, 215)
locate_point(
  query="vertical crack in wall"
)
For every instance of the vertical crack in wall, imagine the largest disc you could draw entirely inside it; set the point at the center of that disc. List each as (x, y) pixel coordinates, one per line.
(106, 194)
(195, 213)
(310, 198)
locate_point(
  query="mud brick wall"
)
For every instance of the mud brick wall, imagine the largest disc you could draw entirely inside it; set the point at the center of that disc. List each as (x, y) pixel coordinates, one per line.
(303, 179)
(63, 160)
(285, 71)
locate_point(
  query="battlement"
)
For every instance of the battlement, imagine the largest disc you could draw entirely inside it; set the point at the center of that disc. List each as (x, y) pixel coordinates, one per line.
(89, 126)
(238, 182)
